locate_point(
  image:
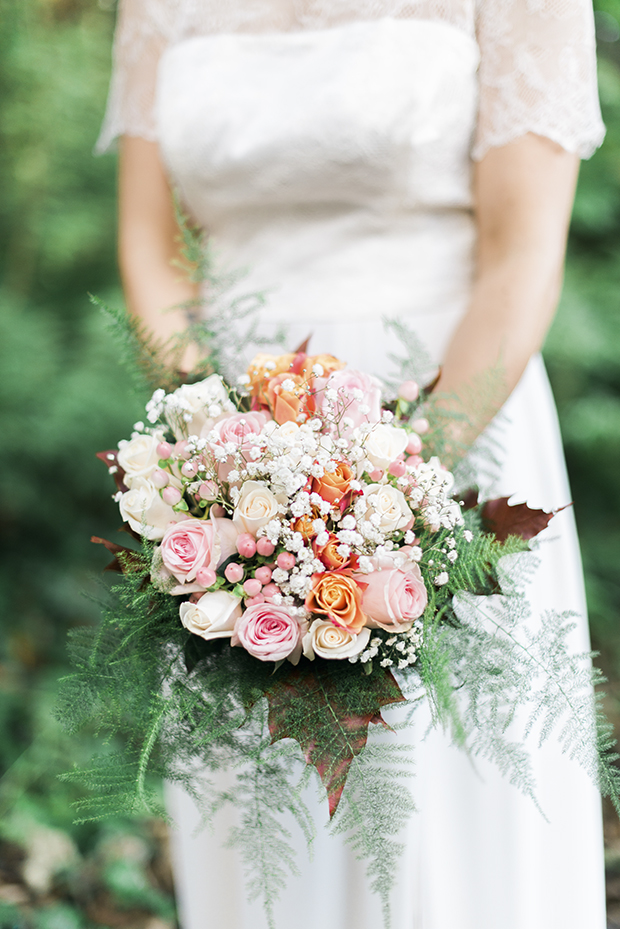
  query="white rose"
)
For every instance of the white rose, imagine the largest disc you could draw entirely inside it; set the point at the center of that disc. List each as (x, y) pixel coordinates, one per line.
(197, 402)
(384, 444)
(256, 506)
(213, 617)
(389, 504)
(329, 641)
(138, 457)
(145, 511)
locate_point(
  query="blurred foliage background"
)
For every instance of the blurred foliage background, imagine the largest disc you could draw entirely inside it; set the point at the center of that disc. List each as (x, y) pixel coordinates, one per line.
(63, 397)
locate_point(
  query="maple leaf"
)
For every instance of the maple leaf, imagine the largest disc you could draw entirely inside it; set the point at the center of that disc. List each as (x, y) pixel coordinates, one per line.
(328, 714)
(125, 560)
(504, 520)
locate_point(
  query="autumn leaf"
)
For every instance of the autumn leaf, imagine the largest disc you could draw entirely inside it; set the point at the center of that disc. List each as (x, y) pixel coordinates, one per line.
(110, 460)
(125, 560)
(329, 717)
(521, 520)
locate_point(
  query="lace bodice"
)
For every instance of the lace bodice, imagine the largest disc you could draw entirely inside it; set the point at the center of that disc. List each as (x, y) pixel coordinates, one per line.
(537, 57)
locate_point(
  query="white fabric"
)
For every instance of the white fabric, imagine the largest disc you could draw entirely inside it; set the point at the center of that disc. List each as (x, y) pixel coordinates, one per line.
(333, 163)
(537, 73)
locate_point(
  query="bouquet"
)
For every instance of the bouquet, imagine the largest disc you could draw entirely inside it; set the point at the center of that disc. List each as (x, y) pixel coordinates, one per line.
(304, 564)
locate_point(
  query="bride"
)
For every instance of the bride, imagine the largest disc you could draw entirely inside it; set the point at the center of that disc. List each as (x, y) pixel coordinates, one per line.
(415, 159)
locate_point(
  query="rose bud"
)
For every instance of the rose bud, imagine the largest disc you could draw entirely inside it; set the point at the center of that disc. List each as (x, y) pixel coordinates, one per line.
(414, 445)
(246, 545)
(286, 561)
(233, 572)
(409, 391)
(170, 495)
(206, 577)
(252, 587)
(164, 450)
(264, 547)
(420, 426)
(397, 468)
(263, 574)
(160, 478)
(189, 469)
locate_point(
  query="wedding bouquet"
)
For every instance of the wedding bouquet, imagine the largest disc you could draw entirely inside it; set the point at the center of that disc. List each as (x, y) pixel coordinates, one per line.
(304, 564)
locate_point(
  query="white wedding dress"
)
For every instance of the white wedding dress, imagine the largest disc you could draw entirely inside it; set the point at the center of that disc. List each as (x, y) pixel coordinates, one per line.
(326, 147)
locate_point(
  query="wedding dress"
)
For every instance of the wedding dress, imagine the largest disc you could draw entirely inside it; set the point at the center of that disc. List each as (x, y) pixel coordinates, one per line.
(326, 146)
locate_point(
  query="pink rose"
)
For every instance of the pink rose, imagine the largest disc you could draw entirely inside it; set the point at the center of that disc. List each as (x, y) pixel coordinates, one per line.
(346, 383)
(239, 427)
(197, 543)
(393, 598)
(269, 633)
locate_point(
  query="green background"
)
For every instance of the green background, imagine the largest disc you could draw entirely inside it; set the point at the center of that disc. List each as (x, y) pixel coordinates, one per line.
(63, 397)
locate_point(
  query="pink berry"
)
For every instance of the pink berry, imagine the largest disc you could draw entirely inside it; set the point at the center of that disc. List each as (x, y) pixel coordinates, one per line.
(397, 468)
(246, 545)
(270, 590)
(181, 449)
(189, 469)
(413, 461)
(409, 391)
(420, 426)
(376, 474)
(252, 587)
(414, 445)
(160, 478)
(164, 450)
(263, 574)
(265, 548)
(170, 495)
(254, 601)
(206, 577)
(233, 572)
(286, 561)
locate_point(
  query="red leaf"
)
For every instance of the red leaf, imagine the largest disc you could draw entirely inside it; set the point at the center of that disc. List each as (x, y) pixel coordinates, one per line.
(110, 460)
(503, 520)
(129, 561)
(315, 707)
(303, 347)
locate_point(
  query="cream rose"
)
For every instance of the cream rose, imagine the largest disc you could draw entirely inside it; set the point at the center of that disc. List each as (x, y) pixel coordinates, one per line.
(389, 505)
(138, 456)
(193, 408)
(256, 506)
(329, 641)
(384, 444)
(145, 511)
(213, 617)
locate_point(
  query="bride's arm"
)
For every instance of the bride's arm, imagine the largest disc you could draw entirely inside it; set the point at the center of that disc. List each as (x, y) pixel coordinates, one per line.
(523, 197)
(149, 241)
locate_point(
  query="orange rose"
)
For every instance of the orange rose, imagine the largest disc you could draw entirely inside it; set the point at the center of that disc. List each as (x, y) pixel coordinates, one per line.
(337, 596)
(263, 367)
(286, 405)
(334, 484)
(327, 362)
(305, 526)
(328, 553)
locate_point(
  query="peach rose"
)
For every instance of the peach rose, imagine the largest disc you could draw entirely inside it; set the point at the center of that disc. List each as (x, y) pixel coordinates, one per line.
(305, 524)
(338, 596)
(286, 404)
(334, 484)
(329, 641)
(394, 598)
(329, 555)
(256, 506)
(328, 362)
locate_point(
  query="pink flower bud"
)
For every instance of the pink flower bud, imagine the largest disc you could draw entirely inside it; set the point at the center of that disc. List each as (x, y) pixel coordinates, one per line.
(376, 474)
(397, 468)
(218, 511)
(206, 577)
(264, 547)
(246, 545)
(164, 450)
(413, 461)
(270, 590)
(263, 574)
(414, 445)
(170, 495)
(254, 601)
(420, 425)
(409, 391)
(207, 490)
(252, 587)
(189, 469)
(181, 449)
(286, 561)
(233, 572)
(160, 478)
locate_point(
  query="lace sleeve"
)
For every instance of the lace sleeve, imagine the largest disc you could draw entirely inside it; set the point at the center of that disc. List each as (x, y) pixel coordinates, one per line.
(538, 74)
(142, 32)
